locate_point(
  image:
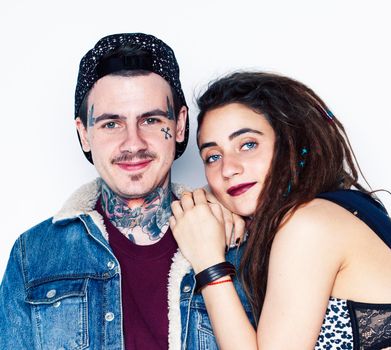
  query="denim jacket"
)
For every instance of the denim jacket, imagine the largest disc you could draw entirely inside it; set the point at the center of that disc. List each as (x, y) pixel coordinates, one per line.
(62, 287)
(189, 324)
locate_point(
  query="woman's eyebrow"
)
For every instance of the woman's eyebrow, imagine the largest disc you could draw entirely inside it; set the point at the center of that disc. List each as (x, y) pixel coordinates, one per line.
(243, 131)
(231, 137)
(207, 144)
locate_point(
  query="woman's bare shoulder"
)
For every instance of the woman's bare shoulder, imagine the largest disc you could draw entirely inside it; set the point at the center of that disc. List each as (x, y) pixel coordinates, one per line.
(316, 223)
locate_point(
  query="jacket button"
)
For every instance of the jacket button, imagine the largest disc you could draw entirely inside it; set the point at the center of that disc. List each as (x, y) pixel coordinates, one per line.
(111, 265)
(186, 289)
(109, 316)
(51, 293)
(57, 304)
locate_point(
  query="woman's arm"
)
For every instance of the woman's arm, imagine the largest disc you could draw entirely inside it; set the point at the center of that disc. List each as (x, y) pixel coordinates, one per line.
(305, 259)
(198, 228)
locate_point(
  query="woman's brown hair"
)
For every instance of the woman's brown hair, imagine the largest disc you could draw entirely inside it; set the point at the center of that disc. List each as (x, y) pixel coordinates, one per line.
(312, 154)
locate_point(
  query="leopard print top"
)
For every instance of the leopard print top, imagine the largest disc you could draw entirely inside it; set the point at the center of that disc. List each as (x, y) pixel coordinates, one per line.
(350, 325)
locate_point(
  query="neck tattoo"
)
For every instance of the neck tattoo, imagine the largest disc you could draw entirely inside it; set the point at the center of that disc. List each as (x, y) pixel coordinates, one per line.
(143, 220)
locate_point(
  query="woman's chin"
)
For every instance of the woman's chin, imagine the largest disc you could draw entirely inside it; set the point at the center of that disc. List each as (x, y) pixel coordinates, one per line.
(242, 210)
(242, 206)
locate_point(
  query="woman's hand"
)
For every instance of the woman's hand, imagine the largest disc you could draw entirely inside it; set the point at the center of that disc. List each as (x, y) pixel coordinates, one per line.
(199, 229)
(234, 224)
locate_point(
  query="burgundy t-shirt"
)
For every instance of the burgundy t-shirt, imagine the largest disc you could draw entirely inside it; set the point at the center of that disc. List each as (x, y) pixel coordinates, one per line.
(144, 287)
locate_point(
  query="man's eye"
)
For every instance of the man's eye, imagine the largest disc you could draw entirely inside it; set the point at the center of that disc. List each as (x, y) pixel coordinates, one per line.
(249, 145)
(213, 158)
(110, 125)
(150, 121)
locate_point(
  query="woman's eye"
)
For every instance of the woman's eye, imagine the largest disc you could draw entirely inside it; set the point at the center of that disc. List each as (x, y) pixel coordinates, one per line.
(213, 158)
(249, 145)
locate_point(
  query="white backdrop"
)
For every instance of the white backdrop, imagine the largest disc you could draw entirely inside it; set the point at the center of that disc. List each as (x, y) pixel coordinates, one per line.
(339, 48)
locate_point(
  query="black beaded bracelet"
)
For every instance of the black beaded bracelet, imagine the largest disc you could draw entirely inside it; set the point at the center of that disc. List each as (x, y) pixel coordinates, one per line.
(213, 273)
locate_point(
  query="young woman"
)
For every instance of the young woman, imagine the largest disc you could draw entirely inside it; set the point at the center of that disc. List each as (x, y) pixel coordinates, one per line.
(316, 275)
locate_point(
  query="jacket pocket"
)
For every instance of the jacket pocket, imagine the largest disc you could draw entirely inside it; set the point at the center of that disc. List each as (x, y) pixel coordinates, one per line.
(60, 313)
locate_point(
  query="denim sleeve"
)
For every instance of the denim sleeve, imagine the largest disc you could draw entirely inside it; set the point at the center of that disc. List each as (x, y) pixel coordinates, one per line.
(15, 314)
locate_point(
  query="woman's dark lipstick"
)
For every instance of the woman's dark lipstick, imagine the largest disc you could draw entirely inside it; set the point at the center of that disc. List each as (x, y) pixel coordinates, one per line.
(240, 189)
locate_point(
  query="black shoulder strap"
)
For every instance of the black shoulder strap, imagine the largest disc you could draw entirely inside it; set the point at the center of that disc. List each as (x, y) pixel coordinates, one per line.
(365, 208)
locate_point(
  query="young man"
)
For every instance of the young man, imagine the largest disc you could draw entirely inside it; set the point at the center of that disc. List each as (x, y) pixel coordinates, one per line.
(95, 275)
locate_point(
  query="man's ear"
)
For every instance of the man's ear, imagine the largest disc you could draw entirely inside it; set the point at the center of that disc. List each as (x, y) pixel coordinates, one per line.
(81, 129)
(181, 125)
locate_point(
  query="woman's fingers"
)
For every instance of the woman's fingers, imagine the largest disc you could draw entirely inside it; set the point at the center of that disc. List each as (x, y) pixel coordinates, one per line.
(210, 197)
(176, 208)
(239, 229)
(199, 197)
(198, 230)
(234, 225)
(172, 222)
(228, 225)
(217, 212)
(228, 218)
(187, 201)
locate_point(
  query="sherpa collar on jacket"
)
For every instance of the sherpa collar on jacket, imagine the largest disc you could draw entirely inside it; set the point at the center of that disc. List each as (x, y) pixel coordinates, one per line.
(83, 201)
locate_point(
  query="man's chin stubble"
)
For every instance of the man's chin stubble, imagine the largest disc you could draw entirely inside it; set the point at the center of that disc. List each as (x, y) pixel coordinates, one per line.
(137, 177)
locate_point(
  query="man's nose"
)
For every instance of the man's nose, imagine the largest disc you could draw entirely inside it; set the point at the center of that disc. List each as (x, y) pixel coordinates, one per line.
(133, 141)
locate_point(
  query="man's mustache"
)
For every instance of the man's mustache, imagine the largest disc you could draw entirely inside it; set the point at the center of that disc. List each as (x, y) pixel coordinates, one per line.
(129, 157)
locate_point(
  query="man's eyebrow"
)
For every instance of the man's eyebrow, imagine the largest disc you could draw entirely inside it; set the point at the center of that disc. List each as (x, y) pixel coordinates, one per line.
(154, 112)
(243, 131)
(207, 144)
(108, 116)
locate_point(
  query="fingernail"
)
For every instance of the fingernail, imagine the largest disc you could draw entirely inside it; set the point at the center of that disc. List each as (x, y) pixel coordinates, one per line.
(237, 242)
